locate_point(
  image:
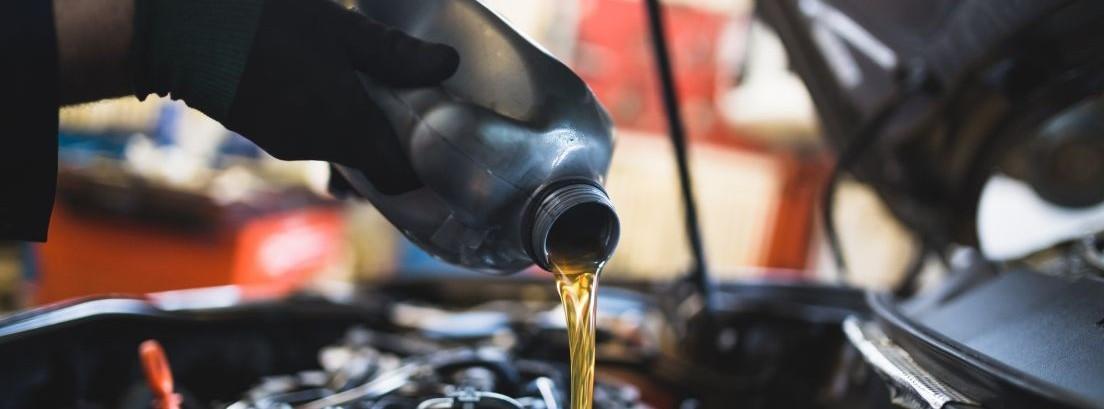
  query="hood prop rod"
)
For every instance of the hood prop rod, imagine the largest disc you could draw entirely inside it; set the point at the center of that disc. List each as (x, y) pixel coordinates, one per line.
(698, 275)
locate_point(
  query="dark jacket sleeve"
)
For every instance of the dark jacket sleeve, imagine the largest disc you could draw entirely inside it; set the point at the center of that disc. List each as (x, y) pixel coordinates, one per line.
(28, 118)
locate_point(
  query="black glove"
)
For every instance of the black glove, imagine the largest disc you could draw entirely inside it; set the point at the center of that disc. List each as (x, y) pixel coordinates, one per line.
(283, 73)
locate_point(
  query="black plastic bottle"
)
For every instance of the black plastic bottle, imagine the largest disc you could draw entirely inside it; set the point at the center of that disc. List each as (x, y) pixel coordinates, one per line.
(511, 147)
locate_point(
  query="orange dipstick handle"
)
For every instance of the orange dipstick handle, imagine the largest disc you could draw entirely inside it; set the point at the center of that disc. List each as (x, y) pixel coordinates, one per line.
(159, 375)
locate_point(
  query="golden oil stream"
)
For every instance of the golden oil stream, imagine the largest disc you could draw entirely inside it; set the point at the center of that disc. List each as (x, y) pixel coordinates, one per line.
(577, 283)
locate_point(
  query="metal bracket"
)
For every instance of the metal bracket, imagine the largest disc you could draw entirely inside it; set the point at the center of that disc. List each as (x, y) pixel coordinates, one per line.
(910, 385)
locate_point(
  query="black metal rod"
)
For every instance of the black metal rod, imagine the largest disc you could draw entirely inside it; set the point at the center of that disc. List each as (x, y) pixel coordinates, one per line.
(699, 275)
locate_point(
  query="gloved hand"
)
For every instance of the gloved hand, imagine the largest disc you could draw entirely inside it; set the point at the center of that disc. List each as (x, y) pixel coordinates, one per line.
(283, 73)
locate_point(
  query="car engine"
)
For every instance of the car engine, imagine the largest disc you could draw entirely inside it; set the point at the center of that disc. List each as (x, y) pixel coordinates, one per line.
(369, 369)
(427, 344)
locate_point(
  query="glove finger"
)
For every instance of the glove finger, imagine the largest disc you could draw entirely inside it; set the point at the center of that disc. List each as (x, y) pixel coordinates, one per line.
(372, 147)
(395, 58)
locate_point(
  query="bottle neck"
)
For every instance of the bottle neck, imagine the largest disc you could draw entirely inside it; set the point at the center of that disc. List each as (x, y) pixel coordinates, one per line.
(574, 223)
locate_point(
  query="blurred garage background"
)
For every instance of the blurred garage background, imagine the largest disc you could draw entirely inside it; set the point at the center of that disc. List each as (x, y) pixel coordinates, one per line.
(154, 197)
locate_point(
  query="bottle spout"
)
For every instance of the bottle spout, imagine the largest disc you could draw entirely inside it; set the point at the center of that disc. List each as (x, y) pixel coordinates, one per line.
(573, 225)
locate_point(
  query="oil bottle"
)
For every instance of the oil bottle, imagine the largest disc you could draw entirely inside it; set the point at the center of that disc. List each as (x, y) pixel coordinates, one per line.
(512, 151)
(506, 147)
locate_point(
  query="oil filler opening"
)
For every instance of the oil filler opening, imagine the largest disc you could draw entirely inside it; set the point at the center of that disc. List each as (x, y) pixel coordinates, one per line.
(574, 223)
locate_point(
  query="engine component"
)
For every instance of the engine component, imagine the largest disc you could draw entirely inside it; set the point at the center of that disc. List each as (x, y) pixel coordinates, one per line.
(159, 375)
(912, 386)
(1066, 166)
(359, 372)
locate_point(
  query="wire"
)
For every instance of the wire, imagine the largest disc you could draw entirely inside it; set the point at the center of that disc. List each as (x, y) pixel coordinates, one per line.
(864, 138)
(698, 275)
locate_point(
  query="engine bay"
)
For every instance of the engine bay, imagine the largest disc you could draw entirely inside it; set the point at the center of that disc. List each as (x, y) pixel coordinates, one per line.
(425, 345)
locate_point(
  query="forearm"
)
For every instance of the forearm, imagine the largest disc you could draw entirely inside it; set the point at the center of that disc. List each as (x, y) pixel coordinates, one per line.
(94, 38)
(287, 74)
